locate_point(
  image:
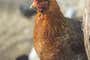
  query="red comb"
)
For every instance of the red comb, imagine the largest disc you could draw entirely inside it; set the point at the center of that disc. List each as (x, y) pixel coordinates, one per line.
(36, 1)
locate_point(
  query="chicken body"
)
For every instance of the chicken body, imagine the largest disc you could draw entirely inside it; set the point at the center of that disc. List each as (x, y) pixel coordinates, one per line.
(57, 38)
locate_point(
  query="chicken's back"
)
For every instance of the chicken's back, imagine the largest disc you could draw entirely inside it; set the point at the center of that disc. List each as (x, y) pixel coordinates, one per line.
(77, 40)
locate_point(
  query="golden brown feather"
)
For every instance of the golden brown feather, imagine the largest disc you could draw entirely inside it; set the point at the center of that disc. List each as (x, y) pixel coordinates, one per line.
(55, 37)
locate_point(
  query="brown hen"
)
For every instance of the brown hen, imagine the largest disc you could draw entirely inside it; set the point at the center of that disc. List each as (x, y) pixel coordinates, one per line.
(55, 37)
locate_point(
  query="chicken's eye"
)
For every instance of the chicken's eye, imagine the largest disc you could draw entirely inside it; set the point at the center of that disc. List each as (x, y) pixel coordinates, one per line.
(38, 0)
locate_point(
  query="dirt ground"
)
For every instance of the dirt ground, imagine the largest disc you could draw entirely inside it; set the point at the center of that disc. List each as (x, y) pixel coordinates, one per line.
(16, 32)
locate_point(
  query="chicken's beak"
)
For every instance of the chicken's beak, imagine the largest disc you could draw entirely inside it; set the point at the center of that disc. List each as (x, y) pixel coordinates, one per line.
(33, 5)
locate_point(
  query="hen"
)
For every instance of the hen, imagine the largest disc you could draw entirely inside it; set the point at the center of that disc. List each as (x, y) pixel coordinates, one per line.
(55, 37)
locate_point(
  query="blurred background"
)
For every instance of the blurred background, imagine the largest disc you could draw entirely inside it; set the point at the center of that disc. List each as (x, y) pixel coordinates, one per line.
(16, 30)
